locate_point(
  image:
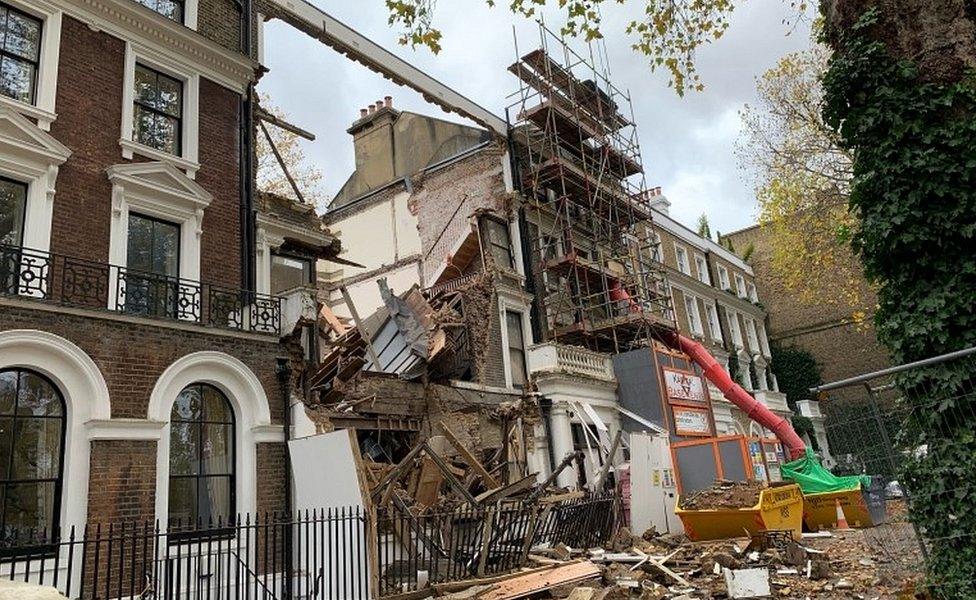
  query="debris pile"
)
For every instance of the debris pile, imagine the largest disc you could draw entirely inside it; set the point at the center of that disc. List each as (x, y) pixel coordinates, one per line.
(724, 494)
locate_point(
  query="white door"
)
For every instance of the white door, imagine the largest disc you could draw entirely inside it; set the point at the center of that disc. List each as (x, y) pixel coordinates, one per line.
(652, 490)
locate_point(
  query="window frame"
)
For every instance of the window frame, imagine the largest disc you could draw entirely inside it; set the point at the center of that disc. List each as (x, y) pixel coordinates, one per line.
(139, 104)
(26, 207)
(714, 325)
(44, 548)
(740, 290)
(188, 158)
(691, 308)
(733, 319)
(702, 268)
(723, 278)
(35, 62)
(183, 534)
(181, 3)
(42, 106)
(684, 266)
(519, 317)
(305, 259)
(490, 222)
(751, 292)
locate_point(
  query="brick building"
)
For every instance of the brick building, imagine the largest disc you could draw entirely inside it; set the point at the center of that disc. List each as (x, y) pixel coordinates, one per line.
(143, 299)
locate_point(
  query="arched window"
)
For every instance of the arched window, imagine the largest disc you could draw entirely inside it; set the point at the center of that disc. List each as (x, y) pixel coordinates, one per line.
(31, 455)
(201, 458)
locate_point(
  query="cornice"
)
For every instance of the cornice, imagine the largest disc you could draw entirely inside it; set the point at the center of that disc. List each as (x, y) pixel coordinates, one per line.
(133, 22)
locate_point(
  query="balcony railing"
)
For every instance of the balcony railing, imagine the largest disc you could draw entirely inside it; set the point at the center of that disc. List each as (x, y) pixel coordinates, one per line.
(75, 282)
(570, 360)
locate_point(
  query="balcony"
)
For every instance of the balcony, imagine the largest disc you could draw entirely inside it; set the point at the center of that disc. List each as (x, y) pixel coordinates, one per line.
(78, 283)
(570, 360)
(774, 401)
(809, 408)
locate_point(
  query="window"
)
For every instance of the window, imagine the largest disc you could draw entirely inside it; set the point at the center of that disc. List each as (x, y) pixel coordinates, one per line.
(714, 329)
(151, 284)
(656, 247)
(723, 278)
(734, 328)
(751, 290)
(13, 205)
(201, 458)
(753, 335)
(763, 340)
(702, 266)
(288, 273)
(681, 256)
(171, 9)
(694, 317)
(20, 53)
(740, 286)
(31, 442)
(500, 243)
(158, 110)
(516, 348)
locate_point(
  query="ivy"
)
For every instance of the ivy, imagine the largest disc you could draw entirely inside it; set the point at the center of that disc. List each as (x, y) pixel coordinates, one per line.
(796, 372)
(913, 193)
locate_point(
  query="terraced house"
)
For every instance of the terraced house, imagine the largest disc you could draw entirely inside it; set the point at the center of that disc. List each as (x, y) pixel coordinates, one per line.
(144, 292)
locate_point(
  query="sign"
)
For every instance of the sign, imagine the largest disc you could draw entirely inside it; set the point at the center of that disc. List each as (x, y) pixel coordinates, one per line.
(691, 421)
(684, 386)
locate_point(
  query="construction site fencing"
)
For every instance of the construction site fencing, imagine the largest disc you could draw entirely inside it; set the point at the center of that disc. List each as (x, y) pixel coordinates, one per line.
(907, 426)
(477, 542)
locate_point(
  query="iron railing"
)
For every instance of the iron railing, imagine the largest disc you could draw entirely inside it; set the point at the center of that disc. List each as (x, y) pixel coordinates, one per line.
(908, 426)
(75, 282)
(314, 554)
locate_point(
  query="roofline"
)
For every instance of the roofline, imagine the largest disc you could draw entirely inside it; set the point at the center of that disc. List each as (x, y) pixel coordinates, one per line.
(693, 238)
(743, 230)
(330, 31)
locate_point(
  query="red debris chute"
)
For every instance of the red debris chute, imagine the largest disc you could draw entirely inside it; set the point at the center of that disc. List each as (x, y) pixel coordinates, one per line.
(734, 393)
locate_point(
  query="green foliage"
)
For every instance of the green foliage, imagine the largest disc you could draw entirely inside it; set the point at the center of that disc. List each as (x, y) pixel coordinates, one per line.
(704, 229)
(796, 372)
(914, 195)
(804, 426)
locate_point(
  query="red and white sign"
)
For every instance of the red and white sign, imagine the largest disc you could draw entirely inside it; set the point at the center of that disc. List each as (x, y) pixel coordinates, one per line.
(691, 421)
(684, 386)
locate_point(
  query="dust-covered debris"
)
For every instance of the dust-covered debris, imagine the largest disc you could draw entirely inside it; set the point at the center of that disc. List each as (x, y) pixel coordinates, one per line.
(724, 494)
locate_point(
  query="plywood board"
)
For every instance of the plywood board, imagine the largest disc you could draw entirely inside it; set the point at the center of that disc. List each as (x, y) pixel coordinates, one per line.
(518, 587)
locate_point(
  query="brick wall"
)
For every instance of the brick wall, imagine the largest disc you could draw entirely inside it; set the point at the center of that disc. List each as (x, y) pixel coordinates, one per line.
(220, 21)
(122, 481)
(271, 467)
(132, 356)
(89, 121)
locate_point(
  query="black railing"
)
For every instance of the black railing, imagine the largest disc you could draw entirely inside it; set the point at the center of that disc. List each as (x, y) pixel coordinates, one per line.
(80, 283)
(322, 554)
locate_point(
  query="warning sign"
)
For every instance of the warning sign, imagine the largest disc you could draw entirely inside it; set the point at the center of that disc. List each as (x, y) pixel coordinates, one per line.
(683, 386)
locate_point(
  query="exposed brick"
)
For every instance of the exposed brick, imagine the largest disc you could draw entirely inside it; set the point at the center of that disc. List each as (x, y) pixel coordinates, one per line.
(122, 481)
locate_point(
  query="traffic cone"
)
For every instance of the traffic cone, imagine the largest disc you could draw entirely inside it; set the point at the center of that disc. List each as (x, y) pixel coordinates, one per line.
(841, 519)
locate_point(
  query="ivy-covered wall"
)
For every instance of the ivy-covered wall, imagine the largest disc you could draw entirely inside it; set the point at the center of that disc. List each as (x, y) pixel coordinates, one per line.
(914, 196)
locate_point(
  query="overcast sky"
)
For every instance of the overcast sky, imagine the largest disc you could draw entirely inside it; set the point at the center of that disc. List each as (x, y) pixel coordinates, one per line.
(687, 143)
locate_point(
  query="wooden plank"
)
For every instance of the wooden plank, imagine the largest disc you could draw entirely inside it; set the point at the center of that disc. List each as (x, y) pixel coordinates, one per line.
(429, 486)
(469, 458)
(519, 587)
(398, 470)
(504, 492)
(601, 476)
(451, 479)
(487, 526)
(366, 335)
(456, 586)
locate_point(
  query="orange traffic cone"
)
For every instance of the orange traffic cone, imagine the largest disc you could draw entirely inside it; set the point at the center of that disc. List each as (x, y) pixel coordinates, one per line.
(841, 519)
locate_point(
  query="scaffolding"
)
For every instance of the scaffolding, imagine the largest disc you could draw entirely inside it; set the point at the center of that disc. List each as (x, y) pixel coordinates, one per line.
(578, 164)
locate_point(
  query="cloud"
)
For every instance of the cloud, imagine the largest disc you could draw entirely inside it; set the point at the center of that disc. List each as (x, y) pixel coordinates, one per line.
(687, 143)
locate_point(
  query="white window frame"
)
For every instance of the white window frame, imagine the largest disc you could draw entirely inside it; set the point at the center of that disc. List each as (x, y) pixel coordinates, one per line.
(753, 335)
(511, 305)
(714, 327)
(136, 187)
(693, 314)
(723, 278)
(683, 265)
(188, 160)
(46, 82)
(701, 265)
(763, 340)
(740, 286)
(752, 292)
(734, 328)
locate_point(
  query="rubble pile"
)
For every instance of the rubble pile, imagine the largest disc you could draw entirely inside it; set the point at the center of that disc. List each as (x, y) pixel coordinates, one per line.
(843, 564)
(724, 494)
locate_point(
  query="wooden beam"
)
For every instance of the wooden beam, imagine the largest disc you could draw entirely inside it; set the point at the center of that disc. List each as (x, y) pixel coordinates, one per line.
(601, 476)
(395, 473)
(365, 335)
(449, 476)
(281, 163)
(469, 458)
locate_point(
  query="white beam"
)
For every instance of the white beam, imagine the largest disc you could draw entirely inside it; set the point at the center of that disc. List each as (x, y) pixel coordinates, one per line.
(323, 27)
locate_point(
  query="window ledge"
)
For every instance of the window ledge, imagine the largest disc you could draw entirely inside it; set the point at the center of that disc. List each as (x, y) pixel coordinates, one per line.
(43, 117)
(131, 148)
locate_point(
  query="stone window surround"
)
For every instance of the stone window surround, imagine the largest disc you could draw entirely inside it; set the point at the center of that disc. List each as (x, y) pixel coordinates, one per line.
(188, 160)
(701, 265)
(695, 326)
(512, 303)
(683, 266)
(33, 159)
(723, 277)
(711, 313)
(131, 190)
(46, 87)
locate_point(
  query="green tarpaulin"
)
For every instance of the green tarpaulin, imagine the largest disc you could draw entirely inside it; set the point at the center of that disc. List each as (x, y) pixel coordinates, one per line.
(814, 479)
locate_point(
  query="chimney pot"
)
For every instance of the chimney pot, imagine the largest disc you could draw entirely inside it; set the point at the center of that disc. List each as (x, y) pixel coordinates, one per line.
(388, 101)
(379, 104)
(372, 108)
(363, 112)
